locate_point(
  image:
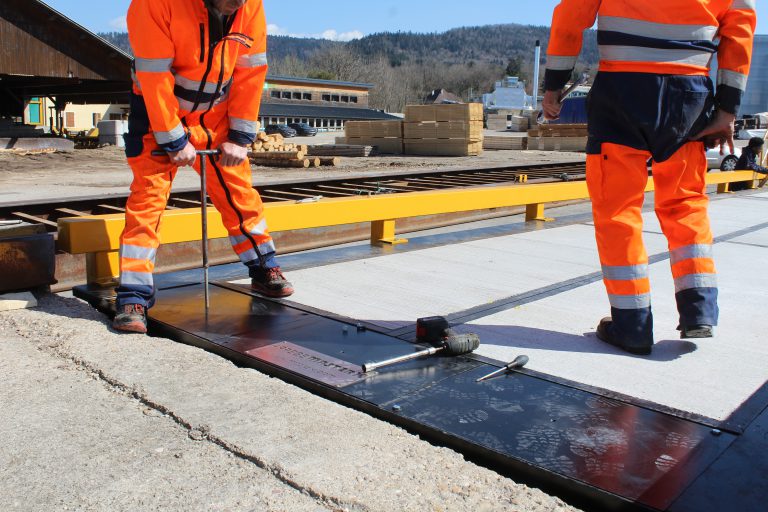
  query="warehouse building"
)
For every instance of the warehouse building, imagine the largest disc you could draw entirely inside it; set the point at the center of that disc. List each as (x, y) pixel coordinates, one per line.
(324, 104)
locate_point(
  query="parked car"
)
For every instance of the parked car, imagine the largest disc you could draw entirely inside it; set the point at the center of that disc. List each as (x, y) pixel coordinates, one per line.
(283, 129)
(726, 162)
(303, 129)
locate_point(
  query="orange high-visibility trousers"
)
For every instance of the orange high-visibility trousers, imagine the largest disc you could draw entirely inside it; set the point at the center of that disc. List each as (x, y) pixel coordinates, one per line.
(616, 179)
(229, 188)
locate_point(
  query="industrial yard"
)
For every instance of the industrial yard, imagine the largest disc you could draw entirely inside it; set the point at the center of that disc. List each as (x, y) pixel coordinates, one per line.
(411, 314)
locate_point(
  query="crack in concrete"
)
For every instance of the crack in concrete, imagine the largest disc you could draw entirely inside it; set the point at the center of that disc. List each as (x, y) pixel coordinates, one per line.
(330, 503)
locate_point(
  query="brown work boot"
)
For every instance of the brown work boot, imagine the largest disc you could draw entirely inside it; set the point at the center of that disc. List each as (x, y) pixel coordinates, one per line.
(131, 318)
(271, 282)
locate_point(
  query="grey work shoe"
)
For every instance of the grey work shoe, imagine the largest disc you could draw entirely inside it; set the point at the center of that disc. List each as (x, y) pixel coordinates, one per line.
(271, 282)
(696, 331)
(605, 333)
(131, 318)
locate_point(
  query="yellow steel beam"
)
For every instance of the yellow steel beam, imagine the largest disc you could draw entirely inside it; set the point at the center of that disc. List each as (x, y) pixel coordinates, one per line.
(101, 233)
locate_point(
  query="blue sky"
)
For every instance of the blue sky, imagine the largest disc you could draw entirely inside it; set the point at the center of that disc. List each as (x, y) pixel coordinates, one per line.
(345, 19)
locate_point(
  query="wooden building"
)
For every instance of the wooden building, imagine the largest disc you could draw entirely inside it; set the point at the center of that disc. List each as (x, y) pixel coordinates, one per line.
(48, 61)
(45, 55)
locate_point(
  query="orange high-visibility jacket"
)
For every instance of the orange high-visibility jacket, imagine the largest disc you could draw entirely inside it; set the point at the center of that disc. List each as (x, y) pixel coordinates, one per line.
(188, 59)
(673, 37)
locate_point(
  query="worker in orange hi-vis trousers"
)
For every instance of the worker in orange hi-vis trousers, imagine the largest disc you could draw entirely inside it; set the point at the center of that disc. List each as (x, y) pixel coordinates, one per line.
(199, 70)
(653, 98)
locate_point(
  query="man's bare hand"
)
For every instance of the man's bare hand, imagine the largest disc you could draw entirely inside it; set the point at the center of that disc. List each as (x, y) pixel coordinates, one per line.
(719, 132)
(552, 105)
(232, 154)
(185, 157)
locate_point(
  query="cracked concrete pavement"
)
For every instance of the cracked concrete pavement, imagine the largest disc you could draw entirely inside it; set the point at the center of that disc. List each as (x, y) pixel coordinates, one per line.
(93, 420)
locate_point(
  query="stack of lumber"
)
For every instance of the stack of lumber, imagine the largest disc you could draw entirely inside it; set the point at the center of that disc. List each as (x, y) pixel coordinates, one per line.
(558, 137)
(385, 136)
(340, 150)
(502, 142)
(508, 120)
(273, 151)
(443, 130)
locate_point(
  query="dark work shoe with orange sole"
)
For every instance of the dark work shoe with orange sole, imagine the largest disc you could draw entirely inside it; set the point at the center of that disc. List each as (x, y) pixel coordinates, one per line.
(131, 318)
(271, 282)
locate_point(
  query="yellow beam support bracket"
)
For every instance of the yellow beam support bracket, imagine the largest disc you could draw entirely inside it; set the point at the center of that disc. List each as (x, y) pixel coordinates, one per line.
(536, 212)
(383, 232)
(102, 268)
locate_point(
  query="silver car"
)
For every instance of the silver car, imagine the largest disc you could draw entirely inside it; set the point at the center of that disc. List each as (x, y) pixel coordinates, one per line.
(726, 162)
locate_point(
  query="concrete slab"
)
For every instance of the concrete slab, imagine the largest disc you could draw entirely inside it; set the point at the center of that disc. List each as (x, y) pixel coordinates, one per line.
(709, 377)
(392, 291)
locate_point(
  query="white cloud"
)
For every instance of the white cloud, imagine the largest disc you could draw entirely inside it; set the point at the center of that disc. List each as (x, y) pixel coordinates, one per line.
(330, 34)
(120, 24)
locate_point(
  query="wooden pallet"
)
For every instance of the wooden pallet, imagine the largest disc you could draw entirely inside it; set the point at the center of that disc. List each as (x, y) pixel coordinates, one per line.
(577, 144)
(559, 130)
(505, 143)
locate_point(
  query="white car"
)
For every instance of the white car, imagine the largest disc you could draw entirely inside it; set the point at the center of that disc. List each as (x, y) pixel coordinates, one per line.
(726, 162)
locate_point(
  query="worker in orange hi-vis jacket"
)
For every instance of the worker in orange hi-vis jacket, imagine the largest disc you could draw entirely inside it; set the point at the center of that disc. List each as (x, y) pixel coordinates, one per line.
(653, 98)
(199, 70)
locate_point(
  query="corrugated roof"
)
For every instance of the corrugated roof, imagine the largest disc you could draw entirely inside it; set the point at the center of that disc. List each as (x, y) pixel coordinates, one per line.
(320, 112)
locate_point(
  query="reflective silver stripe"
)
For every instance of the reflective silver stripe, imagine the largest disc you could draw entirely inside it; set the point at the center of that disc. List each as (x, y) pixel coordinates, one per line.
(267, 247)
(168, 137)
(251, 254)
(237, 240)
(695, 281)
(136, 252)
(252, 61)
(732, 79)
(628, 273)
(135, 79)
(657, 30)
(243, 125)
(744, 4)
(192, 85)
(153, 65)
(630, 301)
(690, 251)
(260, 229)
(560, 63)
(136, 278)
(641, 54)
(187, 105)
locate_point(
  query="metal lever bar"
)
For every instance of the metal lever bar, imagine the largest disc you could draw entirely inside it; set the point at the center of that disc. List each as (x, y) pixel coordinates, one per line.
(454, 345)
(203, 154)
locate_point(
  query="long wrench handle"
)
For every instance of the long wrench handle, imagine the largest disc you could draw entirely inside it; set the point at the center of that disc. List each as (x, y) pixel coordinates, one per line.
(369, 367)
(160, 152)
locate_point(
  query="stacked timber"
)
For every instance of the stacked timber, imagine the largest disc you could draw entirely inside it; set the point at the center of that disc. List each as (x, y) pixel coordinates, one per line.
(508, 120)
(443, 130)
(385, 136)
(558, 137)
(350, 150)
(503, 142)
(274, 151)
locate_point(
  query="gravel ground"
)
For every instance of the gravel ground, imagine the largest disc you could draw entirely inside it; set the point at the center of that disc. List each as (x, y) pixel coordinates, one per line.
(104, 171)
(94, 420)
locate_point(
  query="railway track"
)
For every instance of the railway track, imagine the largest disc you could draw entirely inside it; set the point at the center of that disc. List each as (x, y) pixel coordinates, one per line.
(47, 213)
(70, 269)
